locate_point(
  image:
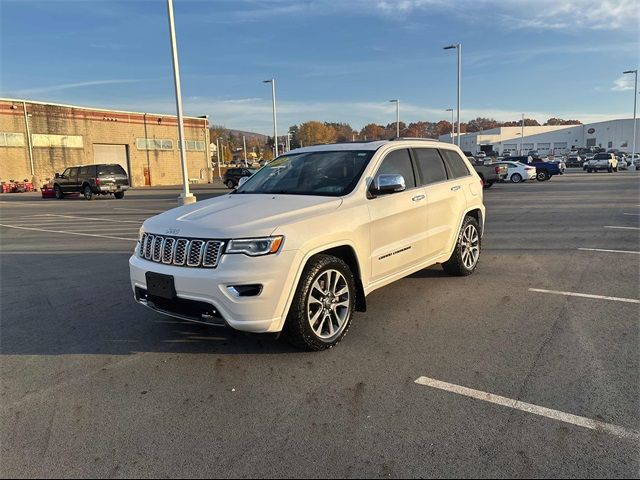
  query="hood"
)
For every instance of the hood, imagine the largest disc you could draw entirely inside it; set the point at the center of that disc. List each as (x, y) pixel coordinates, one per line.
(239, 215)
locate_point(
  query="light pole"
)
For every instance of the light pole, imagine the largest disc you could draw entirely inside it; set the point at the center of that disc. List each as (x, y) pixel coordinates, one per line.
(288, 141)
(218, 158)
(458, 46)
(522, 136)
(185, 197)
(397, 102)
(452, 129)
(275, 125)
(635, 102)
(244, 149)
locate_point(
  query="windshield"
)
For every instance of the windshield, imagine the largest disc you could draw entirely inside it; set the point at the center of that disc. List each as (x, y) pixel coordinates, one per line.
(313, 173)
(110, 170)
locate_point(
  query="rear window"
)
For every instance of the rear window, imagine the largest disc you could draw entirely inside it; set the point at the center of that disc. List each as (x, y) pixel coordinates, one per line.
(602, 156)
(111, 170)
(455, 163)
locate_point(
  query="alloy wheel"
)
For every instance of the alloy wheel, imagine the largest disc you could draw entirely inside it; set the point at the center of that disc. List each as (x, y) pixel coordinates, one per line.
(328, 306)
(470, 247)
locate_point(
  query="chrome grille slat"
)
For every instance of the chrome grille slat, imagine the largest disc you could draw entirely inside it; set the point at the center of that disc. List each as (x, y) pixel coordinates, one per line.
(195, 252)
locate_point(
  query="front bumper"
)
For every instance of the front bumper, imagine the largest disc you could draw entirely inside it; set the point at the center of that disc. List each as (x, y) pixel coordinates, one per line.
(261, 313)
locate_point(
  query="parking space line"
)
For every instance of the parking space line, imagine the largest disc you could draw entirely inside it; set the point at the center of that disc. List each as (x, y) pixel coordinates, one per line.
(90, 218)
(67, 233)
(584, 295)
(139, 210)
(608, 251)
(636, 214)
(530, 408)
(622, 228)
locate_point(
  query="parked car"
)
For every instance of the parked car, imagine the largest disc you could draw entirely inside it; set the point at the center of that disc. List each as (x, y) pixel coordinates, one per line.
(490, 173)
(519, 172)
(544, 170)
(233, 175)
(301, 244)
(574, 161)
(602, 161)
(92, 180)
(481, 155)
(622, 163)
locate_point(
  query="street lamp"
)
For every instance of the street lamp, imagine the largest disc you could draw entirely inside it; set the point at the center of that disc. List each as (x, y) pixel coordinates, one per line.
(452, 129)
(275, 127)
(185, 197)
(458, 47)
(522, 136)
(397, 102)
(635, 101)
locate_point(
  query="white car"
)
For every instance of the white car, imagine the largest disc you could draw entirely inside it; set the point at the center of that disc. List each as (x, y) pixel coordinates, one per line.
(299, 246)
(519, 172)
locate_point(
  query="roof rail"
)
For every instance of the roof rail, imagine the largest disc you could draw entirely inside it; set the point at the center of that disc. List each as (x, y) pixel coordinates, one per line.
(395, 139)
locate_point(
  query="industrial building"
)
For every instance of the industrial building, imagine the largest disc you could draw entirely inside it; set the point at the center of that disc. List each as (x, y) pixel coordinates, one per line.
(556, 139)
(38, 139)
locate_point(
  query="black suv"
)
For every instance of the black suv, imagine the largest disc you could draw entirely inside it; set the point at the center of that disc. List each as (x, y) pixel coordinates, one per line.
(233, 176)
(90, 180)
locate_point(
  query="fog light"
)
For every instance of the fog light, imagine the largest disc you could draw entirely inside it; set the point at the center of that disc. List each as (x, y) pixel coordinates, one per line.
(245, 290)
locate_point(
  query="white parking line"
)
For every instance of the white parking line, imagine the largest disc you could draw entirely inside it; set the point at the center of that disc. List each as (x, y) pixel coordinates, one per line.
(67, 233)
(530, 408)
(636, 214)
(139, 210)
(584, 295)
(622, 228)
(90, 218)
(609, 251)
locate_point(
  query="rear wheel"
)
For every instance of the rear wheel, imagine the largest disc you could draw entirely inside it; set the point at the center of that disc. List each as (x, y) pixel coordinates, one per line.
(487, 184)
(58, 192)
(229, 183)
(542, 176)
(321, 311)
(466, 253)
(516, 178)
(87, 192)
(118, 195)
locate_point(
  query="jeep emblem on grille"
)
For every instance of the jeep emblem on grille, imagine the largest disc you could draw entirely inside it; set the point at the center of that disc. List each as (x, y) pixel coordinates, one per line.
(172, 231)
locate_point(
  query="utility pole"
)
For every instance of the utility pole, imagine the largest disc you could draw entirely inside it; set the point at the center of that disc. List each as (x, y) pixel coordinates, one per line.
(275, 124)
(635, 101)
(218, 157)
(185, 197)
(26, 123)
(458, 47)
(244, 149)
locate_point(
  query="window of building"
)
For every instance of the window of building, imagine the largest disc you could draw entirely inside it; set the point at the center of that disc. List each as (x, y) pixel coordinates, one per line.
(560, 145)
(194, 145)
(527, 146)
(510, 146)
(542, 147)
(8, 139)
(154, 144)
(610, 145)
(47, 140)
(591, 142)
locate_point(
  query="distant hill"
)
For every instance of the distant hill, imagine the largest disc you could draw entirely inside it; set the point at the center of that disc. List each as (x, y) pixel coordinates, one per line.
(258, 136)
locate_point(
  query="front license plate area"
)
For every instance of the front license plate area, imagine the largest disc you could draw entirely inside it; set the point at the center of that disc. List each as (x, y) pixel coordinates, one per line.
(160, 285)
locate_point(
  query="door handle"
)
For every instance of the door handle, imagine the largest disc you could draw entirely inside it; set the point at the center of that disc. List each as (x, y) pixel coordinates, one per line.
(456, 188)
(417, 198)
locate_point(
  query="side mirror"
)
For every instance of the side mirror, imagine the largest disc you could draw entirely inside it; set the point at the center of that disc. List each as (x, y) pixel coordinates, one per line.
(386, 183)
(57, 175)
(242, 181)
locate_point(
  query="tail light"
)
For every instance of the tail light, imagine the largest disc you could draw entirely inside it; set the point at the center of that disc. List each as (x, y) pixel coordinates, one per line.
(497, 169)
(529, 168)
(482, 183)
(97, 181)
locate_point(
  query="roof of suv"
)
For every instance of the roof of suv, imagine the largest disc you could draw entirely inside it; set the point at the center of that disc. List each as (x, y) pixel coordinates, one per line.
(367, 145)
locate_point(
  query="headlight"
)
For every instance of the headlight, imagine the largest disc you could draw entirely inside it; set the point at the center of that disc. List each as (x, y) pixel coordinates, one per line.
(255, 246)
(140, 233)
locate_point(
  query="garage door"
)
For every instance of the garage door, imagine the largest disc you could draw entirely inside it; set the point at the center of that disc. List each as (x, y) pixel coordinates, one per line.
(103, 153)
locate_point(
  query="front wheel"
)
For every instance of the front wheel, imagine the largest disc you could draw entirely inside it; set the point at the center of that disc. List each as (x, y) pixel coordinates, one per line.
(118, 195)
(58, 192)
(516, 178)
(321, 311)
(230, 184)
(464, 259)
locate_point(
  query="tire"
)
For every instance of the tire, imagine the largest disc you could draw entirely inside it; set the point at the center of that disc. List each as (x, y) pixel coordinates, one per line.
(58, 192)
(468, 243)
(230, 184)
(542, 176)
(87, 192)
(516, 178)
(486, 185)
(118, 195)
(310, 301)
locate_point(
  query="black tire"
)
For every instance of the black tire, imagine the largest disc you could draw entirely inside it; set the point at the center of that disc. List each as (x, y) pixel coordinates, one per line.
(487, 184)
(118, 195)
(542, 176)
(516, 178)
(58, 192)
(456, 265)
(87, 192)
(230, 184)
(297, 328)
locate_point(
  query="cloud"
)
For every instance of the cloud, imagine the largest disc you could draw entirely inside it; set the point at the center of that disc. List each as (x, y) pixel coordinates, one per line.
(623, 83)
(67, 86)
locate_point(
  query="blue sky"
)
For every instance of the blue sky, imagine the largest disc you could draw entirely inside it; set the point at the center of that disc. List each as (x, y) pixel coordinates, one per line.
(333, 60)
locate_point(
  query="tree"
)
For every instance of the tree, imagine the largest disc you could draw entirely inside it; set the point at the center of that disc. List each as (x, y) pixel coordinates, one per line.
(372, 132)
(528, 122)
(560, 121)
(479, 124)
(344, 132)
(442, 128)
(314, 133)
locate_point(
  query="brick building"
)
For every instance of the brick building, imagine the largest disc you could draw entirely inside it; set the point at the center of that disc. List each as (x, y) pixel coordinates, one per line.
(145, 144)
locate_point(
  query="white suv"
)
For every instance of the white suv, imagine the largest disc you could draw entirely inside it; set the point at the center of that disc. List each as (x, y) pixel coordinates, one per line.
(299, 246)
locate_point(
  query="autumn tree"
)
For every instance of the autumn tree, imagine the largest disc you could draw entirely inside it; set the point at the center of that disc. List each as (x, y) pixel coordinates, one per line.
(442, 128)
(372, 132)
(344, 132)
(560, 121)
(314, 133)
(481, 123)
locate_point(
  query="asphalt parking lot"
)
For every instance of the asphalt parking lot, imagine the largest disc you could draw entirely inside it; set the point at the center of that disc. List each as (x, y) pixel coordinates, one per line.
(515, 380)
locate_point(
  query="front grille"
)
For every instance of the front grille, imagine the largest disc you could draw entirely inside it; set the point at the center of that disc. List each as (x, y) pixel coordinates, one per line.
(181, 251)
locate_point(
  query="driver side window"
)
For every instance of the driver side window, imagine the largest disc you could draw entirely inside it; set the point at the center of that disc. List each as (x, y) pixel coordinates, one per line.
(398, 162)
